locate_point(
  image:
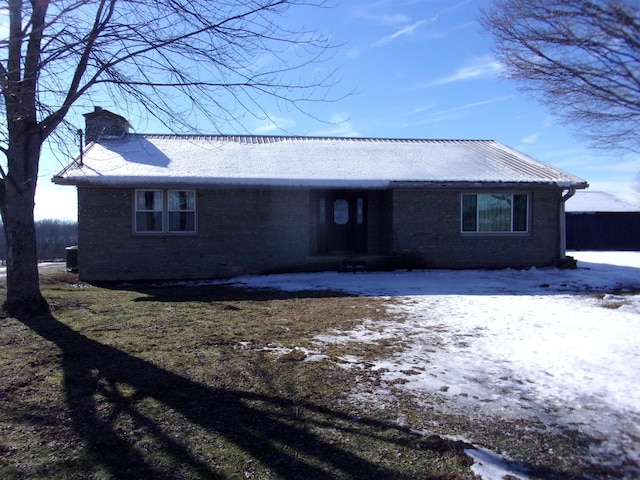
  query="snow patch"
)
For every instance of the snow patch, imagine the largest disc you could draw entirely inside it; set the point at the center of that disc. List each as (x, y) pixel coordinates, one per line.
(557, 346)
(491, 466)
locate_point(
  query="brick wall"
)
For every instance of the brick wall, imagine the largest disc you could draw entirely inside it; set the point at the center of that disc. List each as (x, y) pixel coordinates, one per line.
(102, 122)
(239, 231)
(426, 227)
(261, 231)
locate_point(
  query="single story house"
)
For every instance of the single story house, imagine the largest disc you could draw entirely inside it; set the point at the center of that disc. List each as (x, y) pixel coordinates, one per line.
(190, 207)
(600, 221)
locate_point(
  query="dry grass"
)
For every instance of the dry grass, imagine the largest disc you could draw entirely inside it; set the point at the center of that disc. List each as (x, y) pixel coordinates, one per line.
(176, 383)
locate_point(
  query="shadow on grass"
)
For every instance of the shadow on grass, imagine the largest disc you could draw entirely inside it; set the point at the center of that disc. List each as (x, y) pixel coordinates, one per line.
(279, 434)
(225, 293)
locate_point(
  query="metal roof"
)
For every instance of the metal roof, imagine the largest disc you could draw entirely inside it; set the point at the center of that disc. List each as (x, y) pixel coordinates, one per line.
(592, 202)
(291, 161)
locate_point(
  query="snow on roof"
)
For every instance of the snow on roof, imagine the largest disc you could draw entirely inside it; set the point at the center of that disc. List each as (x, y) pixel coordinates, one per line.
(583, 202)
(140, 160)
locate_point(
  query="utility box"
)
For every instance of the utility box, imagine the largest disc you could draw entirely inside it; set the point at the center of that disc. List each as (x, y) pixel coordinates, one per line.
(72, 258)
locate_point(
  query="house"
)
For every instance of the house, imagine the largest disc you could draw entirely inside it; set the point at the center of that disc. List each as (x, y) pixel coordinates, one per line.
(189, 207)
(600, 221)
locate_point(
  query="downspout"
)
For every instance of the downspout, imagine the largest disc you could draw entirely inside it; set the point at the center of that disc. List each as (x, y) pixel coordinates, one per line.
(563, 222)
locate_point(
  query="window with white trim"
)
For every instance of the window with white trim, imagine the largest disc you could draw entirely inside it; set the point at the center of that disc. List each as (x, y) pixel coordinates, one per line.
(160, 211)
(149, 211)
(181, 208)
(495, 213)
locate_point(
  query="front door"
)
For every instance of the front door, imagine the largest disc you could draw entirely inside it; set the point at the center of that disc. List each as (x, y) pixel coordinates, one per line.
(343, 216)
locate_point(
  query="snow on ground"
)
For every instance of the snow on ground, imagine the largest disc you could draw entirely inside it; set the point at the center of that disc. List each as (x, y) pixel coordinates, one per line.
(550, 345)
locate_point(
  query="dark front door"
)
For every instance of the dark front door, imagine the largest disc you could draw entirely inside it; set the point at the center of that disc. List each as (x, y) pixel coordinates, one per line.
(343, 214)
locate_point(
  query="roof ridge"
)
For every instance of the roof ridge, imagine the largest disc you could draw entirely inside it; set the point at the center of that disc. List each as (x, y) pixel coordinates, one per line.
(248, 138)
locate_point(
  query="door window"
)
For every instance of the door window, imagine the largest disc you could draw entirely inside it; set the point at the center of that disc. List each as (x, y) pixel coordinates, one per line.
(341, 211)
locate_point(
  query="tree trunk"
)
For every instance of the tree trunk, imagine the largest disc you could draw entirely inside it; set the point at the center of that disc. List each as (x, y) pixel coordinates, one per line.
(16, 203)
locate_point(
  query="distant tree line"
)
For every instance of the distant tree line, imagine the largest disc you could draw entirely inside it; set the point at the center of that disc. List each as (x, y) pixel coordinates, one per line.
(52, 238)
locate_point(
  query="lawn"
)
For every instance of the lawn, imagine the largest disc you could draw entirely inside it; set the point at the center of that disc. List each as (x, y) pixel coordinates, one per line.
(216, 381)
(177, 383)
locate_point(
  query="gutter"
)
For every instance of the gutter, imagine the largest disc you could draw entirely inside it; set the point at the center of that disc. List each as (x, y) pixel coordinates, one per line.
(563, 222)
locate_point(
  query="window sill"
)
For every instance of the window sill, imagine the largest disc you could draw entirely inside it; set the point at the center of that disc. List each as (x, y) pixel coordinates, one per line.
(164, 234)
(495, 234)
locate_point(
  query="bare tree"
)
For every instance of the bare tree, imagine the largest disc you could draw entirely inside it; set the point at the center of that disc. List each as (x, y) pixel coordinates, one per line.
(220, 58)
(581, 58)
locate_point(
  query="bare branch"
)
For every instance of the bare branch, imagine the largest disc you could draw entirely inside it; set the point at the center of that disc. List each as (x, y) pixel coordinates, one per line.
(580, 59)
(214, 61)
(197, 54)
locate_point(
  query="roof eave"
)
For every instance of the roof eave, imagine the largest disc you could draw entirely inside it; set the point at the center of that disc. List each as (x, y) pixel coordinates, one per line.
(551, 184)
(195, 182)
(62, 180)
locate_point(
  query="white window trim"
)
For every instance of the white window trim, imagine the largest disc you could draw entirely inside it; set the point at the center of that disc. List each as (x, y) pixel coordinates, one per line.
(510, 233)
(136, 211)
(165, 212)
(168, 211)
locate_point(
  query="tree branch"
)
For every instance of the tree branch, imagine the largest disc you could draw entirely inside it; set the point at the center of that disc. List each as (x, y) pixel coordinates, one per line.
(581, 59)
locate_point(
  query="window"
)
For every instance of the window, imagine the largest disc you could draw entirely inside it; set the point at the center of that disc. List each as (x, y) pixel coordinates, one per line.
(492, 213)
(149, 211)
(340, 211)
(182, 211)
(322, 211)
(156, 212)
(360, 211)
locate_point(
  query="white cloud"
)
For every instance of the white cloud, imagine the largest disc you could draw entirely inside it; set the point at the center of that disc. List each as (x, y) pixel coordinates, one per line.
(455, 112)
(449, 9)
(422, 109)
(480, 68)
(529, 139)
(353, 52)
(340, 125)
(406, 31)
(384, 19)
(404, 24)
(394, 19)
(273, 124)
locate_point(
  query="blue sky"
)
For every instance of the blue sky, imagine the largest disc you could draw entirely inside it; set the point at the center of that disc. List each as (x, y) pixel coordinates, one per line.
(419, 69)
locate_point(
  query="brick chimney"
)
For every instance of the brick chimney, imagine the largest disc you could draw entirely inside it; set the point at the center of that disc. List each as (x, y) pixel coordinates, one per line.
(104, 124)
